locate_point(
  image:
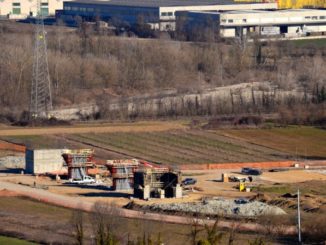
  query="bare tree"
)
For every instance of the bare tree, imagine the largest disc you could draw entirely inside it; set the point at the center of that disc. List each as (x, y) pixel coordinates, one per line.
(77, 221)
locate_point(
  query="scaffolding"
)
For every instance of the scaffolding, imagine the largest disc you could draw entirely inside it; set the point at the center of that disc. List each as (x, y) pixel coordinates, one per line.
(157, 182)
(122, 172)
(78, 162)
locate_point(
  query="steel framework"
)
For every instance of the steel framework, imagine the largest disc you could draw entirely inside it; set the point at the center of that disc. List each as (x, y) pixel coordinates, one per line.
(41, 98)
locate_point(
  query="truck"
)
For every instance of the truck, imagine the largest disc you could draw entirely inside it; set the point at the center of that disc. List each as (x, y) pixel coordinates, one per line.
(85, 180)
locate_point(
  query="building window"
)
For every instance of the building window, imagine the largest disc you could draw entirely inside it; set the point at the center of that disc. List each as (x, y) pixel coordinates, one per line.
(16, 8)
(223, 20)
(170, 14)
(322, 17)
(230, 21)
(67, 8)
(307, 17)
(44, 9)
(164, 14)
(244, 20)
(90, 9)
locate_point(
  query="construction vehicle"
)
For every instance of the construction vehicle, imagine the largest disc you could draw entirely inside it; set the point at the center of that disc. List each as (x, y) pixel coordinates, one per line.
(242, 186)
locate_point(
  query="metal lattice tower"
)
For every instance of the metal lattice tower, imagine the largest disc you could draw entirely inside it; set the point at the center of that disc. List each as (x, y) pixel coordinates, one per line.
(41, 99)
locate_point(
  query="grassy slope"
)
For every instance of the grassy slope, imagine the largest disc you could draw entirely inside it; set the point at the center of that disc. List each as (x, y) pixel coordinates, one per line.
(300, 141)
(319, 43)
(33, 220)
(14, 241)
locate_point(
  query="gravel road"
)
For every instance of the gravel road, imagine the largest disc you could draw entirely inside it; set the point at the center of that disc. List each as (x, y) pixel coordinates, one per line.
(76, 203)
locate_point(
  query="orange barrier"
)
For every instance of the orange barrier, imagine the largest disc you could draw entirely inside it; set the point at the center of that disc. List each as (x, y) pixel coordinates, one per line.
(262, 165)
(12, 147)
(284, 164)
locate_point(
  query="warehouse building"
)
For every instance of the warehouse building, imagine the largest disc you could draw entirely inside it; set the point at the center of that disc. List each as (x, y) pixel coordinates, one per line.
(287, 23)
(159, 14)
(21, 9)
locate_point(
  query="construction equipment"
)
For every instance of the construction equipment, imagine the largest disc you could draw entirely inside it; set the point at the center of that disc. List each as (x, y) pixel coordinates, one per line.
(242, 186)
(41, 98)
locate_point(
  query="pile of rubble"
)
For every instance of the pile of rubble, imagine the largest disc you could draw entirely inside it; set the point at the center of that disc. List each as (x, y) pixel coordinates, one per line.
(219, 206)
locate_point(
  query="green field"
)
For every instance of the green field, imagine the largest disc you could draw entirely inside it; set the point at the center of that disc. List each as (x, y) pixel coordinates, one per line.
(194, 145)
(296, 141)
(180, 147)
(14, 241)
(319, 43)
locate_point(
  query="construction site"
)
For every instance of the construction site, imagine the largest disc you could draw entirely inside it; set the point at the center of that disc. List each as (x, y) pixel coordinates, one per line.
(188, 180)
(141, 189)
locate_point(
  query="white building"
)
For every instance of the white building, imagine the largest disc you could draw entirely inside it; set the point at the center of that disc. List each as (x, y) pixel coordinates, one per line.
(21, 9)
(288, 23)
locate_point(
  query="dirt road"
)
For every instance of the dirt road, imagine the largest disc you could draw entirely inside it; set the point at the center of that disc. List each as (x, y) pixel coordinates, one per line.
(154, 126)
(76, 203)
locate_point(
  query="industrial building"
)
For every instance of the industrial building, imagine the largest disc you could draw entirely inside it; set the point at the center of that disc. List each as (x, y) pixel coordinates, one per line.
(159, 14)
(21, 9)
(287, 23)
(42, 161)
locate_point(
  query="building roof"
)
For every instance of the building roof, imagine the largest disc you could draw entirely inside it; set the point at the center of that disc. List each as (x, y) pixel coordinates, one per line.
(161, 3)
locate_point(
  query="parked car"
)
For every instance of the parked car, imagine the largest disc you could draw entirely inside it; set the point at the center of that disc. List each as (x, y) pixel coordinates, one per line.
(251, 171)
(241, 201)
(85, 180)
(189, 181)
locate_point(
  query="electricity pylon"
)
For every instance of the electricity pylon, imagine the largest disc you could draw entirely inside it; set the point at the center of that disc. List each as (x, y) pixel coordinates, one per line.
(41, 99)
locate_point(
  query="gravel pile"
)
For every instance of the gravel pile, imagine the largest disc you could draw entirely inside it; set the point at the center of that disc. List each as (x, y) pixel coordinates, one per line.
(220, 206)
(12, 162)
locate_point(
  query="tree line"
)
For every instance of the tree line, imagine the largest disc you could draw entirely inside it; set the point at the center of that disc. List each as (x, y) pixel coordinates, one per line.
(86, 65)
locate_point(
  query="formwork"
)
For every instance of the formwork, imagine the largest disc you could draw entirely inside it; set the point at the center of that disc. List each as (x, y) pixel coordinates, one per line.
(78, 162)
(157, 182)
(122, 172)
(42, 161)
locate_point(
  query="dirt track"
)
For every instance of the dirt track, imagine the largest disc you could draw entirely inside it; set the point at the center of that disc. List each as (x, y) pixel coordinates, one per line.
(95, 128)
(75, 203)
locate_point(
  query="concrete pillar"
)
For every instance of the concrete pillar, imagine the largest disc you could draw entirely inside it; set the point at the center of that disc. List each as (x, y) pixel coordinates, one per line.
(146, 192)
(177, 191)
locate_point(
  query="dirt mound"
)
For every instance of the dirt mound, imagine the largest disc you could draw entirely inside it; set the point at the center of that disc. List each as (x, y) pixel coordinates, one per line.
(6, 193)
(310, 206)
(289, 195)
